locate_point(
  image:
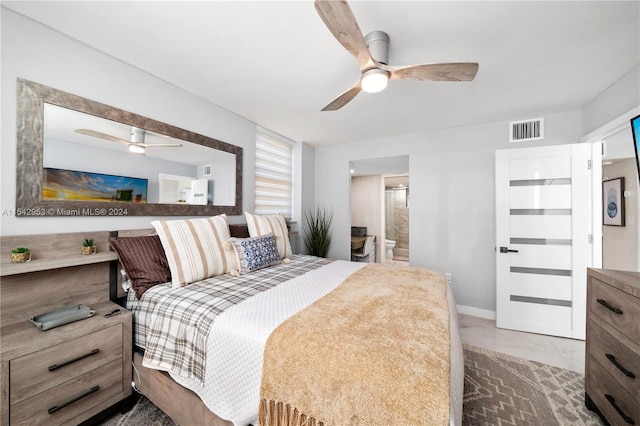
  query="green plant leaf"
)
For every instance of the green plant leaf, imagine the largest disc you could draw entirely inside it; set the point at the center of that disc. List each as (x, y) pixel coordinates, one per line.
(318, 237)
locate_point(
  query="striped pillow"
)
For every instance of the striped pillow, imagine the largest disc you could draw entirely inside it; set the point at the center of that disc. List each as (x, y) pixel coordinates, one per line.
(195, 248)
(276, 225)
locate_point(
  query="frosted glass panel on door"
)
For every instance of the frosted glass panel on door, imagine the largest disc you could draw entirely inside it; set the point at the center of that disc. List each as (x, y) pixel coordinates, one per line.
(542, 168)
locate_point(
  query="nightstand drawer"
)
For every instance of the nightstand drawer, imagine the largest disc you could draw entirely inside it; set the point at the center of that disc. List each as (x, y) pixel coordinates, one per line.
(42, 370)
(70, 399)
(620, 362)
(616, 308)
(618, 406)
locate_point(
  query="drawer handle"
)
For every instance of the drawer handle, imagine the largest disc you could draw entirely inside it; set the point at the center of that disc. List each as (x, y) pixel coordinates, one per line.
(608, 306)
(71, 401)
(612, 401)
(620, 367)
(71, 361)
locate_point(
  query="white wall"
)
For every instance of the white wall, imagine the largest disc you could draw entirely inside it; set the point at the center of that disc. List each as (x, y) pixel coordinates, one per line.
(37, 53)
(452, 213)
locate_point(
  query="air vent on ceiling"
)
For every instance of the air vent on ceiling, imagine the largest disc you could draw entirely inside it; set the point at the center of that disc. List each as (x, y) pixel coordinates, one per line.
(526, 130)
(207, 170)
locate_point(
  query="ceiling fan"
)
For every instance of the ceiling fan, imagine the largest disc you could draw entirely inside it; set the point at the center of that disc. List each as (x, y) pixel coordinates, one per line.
(136, 144)
(372, 54)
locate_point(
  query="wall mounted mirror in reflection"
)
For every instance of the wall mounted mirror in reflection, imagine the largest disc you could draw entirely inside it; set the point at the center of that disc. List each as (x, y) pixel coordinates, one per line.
(91, 158)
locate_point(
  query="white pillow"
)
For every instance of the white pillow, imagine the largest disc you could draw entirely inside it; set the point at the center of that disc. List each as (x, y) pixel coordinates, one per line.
(196, 248)
(262, 225)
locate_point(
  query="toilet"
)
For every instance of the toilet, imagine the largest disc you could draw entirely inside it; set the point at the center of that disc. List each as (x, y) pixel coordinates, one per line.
(389, 245)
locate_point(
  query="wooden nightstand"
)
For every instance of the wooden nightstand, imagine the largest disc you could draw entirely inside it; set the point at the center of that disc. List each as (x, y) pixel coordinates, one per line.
(68, 373)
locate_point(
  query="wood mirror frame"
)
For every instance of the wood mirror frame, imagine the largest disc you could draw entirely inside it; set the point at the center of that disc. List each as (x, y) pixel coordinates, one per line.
(30, 147)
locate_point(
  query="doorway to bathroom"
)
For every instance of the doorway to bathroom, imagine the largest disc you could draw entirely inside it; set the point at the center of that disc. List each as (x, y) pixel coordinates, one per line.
(396, 202)
(370, 211)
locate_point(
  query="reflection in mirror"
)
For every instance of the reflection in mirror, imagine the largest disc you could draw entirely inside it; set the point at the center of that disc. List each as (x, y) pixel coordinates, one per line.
(186, 172)
(118, 160)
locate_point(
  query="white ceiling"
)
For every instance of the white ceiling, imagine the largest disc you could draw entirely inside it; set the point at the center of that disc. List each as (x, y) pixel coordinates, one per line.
(276, 64)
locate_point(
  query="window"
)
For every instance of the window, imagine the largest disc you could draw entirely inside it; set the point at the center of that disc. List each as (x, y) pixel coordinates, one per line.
(274, 174)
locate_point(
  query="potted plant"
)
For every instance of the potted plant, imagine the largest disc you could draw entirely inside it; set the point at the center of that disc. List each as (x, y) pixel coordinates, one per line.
(88, 247)
(20, 255)
(318, 236)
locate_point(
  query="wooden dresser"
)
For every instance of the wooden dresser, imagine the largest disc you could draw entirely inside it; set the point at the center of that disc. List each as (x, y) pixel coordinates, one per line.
(612, 370)
(67, 374)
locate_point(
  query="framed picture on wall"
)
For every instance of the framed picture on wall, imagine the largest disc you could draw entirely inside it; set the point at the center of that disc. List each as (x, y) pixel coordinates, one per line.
(613, 202)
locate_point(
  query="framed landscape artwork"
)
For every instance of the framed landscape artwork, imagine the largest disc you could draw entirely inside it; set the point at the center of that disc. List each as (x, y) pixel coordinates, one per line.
(72, 185)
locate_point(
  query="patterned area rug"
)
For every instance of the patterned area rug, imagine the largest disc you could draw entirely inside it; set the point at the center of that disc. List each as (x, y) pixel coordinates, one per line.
(499, 389)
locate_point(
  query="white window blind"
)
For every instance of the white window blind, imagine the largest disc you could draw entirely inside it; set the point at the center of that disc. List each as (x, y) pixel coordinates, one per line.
(274, 175)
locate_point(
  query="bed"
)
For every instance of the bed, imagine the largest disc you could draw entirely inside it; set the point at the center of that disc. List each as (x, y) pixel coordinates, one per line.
(246, 369)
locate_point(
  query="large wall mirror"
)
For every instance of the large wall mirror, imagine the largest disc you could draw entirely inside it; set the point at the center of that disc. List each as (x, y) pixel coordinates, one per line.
(78, 157)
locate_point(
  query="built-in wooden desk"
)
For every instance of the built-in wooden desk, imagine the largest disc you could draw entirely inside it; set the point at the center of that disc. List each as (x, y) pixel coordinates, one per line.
(357, 242)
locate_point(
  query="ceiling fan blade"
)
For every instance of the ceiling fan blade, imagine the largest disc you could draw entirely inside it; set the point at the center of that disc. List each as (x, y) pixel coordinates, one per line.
(339, 19)
(101, 135)
(344, 98)
(158, 145)
(454, 71)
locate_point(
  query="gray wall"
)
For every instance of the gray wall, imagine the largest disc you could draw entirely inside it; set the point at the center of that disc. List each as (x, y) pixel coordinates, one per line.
(619, 98)
(452, 214)
(37, 53)
(308, 196)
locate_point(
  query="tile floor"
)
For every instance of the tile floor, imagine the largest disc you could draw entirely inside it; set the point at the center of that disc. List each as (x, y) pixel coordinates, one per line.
(557, 351)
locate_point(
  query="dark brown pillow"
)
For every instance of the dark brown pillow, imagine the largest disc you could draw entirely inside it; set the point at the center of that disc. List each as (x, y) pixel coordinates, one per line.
(240, 230)
(143, 260)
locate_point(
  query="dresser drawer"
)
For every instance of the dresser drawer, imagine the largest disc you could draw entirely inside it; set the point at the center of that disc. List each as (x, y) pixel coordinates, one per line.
(620, 362)
(70, 399)
(615, 307)
(607, 394)
(42, 370)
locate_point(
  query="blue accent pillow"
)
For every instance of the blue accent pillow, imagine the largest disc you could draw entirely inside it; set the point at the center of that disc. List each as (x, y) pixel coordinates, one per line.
(255, 253)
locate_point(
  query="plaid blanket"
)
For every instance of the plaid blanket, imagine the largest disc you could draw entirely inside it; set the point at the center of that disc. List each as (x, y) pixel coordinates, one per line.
(181, 319)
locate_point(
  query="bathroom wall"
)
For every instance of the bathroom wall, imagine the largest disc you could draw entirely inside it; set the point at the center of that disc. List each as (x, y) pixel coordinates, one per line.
(397, 221)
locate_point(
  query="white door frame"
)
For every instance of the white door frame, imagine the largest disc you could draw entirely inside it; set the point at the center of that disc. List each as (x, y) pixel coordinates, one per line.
(598, 137)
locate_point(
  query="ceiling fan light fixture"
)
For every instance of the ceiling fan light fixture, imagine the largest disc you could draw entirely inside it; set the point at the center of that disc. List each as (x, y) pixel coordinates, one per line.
(136, 149)
(374, 80)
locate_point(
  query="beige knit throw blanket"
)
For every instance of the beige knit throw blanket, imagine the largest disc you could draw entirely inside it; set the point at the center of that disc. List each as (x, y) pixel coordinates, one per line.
(375, 351)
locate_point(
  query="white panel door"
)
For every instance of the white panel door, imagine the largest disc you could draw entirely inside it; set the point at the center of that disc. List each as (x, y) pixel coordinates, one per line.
(543, 224)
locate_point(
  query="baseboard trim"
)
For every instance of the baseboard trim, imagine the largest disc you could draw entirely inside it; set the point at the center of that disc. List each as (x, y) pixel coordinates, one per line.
(476, 312)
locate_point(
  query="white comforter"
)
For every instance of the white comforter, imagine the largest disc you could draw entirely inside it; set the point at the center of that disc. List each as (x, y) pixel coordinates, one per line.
(236, 344)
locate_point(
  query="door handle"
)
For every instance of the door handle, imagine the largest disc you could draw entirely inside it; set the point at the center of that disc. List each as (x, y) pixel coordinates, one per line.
(507, 250)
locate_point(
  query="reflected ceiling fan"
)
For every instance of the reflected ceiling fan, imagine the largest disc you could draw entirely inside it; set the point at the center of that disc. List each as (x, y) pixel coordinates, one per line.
(136, 144)
(372, 53)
